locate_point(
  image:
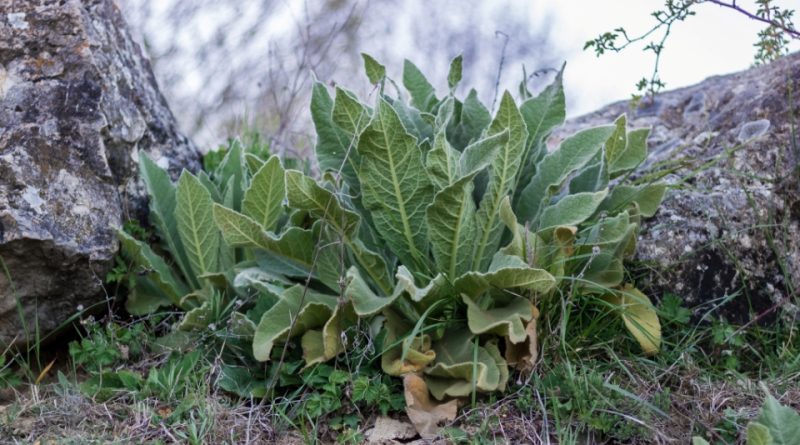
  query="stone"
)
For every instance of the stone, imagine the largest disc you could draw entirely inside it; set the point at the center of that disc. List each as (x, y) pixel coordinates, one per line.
(728, 233)
(78, 101)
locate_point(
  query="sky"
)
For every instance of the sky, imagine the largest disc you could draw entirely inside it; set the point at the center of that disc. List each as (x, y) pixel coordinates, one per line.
(716, 41)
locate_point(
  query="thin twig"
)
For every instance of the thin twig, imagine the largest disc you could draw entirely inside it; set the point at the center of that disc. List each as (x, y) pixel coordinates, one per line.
(778, 24)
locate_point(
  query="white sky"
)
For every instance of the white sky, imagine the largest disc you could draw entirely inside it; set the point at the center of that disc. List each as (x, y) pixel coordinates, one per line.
(715, 41)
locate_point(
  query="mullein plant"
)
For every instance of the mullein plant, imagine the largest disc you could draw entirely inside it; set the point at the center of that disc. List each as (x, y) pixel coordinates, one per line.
(444, 226)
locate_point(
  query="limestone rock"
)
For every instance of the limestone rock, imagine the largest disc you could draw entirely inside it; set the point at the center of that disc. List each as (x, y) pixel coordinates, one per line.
(78, 101)
(731, 225)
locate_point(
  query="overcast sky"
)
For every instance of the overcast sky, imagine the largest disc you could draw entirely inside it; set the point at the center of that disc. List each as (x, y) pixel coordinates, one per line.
(716, 41)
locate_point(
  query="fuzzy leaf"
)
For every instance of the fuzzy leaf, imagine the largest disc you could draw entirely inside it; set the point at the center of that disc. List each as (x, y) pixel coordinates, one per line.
(196, 227)
(333, 144)
(455, 369)
(423, 96)
(159, 272)
(298, 311)
(454, 76)
(758, 434)
(571, 210)
(395, 185)
(502, 176)
(230, 175)
(648, 197)
(573, 153)
(365, 302)
(592, 178)
(640, 317)
(452, 227)
(146, 297)
(304, 193)
(480, 154)
(615, 145)
(523, 356)
(263, 201)
(632, 156)
(783, 422)
(475, 117)
(505, 272)
(294, 245)
(375, 71)
(442, 162)
(163, 201)
(506, 321)
(439, 287)
(351, 116)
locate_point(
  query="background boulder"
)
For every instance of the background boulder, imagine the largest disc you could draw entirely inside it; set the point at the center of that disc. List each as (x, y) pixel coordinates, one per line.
(78, 101)
(729, 230)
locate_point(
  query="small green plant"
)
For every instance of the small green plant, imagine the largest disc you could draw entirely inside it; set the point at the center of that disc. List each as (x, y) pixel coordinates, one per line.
(105, 345)
(8, 378)
(775, 425)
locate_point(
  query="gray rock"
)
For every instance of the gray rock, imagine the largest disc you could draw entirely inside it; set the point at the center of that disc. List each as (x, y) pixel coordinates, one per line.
(731, 226)
(77, 102)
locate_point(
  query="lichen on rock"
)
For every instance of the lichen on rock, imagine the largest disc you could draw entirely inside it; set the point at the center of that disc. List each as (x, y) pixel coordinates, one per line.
(77, 102)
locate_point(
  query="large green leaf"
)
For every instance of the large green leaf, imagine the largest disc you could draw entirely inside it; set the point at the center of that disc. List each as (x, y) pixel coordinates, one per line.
(452, 227)
(334, 146)
(373, 263)
(322, 345)
(365, 302)
(554, 169)
(541, 114)
(442, 161)
(506, 321)
(304, 193)
(456, 372)
(299, 310)
(157, 270)
(783, 422)
(502, 177)
(295, 245)
(423, 96)
(146, 297)
(199, 234)
(475, 117)
(634, 153)
(505, 272)
(163, 201)
(571, 210)
(591, 178)
(230, 174)
(615, 145)
(396, 188)
(648, 197)
(351, 116)
(263, 201)
(481, 153)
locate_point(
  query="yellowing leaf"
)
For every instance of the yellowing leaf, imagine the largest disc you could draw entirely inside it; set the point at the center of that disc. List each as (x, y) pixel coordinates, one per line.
(425, 414)
(639, 316)
(523, 356)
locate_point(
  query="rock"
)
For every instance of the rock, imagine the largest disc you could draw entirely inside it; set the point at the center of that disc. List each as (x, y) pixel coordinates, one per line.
(78, 101)
(730, 227)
